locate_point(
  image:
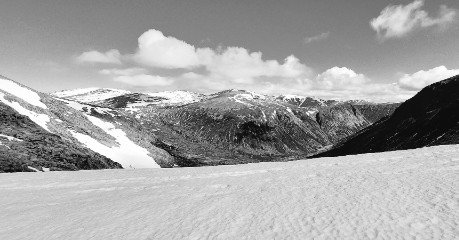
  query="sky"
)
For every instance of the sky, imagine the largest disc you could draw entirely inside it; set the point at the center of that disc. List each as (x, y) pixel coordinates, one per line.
(383, 50)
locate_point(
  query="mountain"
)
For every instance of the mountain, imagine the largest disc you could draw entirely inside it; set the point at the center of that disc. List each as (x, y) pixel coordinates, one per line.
(88, 95)
(110, 128)
(39, 131)
(341, 120)
(237, 126)
(312, 104)
(430, 118)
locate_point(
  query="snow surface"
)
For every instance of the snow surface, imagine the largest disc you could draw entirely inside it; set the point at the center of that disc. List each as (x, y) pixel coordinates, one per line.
(87, 95)
(74, 92)
(80, 107)
(21, 92)
(128, 154)
(175, 97)
(10, 138)
(41, 119)
(410, 194)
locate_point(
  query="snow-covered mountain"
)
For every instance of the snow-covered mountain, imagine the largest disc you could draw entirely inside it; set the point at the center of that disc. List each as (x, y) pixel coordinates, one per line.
(88, 95)
(65, 135)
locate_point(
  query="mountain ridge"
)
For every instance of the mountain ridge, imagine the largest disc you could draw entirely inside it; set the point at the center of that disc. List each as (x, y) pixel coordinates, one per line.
(429, 118)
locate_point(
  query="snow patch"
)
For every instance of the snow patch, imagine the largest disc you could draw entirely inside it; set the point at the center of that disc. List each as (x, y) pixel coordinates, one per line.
(88, 95)
(23, 93)
(128, 154)
(41, 119)
(175, 97)
(80, 107)
(10, 138)
(33, 169)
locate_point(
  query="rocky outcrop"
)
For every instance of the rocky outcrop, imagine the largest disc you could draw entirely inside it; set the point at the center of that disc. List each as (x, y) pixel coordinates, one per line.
(341, 121)
(374, 112)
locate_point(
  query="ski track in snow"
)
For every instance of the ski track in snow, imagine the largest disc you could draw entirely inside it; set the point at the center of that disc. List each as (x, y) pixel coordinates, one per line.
(410, 194)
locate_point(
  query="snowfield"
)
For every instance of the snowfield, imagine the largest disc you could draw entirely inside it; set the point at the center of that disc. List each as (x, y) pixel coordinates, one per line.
(87, 95)
(128, 154)
(393, 195)
(21, 92)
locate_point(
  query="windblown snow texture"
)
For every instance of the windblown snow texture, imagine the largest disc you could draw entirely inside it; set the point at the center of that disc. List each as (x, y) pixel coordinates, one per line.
(411, 194)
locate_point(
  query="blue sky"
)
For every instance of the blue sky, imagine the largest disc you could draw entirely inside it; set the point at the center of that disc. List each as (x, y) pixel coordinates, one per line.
(378, 50)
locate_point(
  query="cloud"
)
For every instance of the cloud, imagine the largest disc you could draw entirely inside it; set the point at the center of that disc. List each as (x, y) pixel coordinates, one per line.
(397, 21)
(342, 83)
(112, 56)
(240, 66)
(144, 80)
(126, 71)
(338, 78)
(317, 38)
(137, 77)
(157, 50)
(210, 70)
(235, 63)
(421, 79)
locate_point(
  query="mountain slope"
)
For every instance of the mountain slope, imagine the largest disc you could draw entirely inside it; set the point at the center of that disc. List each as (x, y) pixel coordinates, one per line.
(429, 118)
(90, 129)
(29, 139)
(233, 127)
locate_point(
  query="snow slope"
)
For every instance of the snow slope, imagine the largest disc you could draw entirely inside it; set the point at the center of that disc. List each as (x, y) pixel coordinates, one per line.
(177, 97)
(127, 153)
(87, 95)
(21, 92)
(411, 194)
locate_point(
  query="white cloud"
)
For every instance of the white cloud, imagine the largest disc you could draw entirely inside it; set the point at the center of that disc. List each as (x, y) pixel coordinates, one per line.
(342, 83)
(396, 21)
(125, 71)
(157, 50)
(232, 63)
(209, 70)
(338, 78)
(240, 66)
(317, 38)
(138, 77)
(144, 80)
(421, 79)
(112, 56)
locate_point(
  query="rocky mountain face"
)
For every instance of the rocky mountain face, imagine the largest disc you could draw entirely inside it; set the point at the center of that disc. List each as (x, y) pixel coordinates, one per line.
(25, 146)
(374, 112)
(234, 127)
(110, 128)
(429, 118)
(341, 120)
